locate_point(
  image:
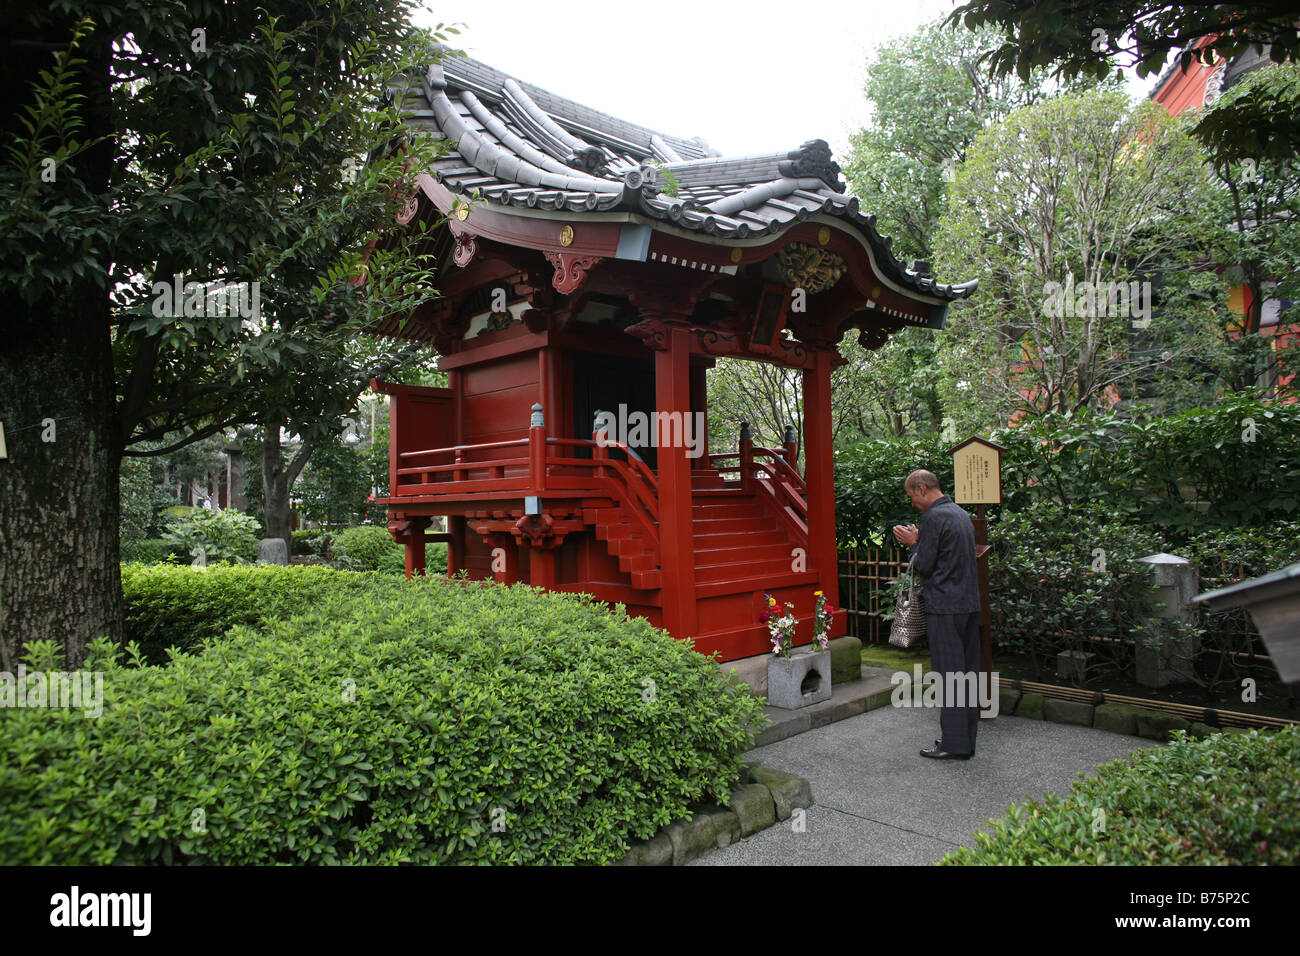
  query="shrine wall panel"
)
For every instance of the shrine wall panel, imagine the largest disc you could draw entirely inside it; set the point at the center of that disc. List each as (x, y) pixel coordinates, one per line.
(498, 398)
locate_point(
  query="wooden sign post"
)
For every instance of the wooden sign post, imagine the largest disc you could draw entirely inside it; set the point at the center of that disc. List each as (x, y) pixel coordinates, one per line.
(977, 480)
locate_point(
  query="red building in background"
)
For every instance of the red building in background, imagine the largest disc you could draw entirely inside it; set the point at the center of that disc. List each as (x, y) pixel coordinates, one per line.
(1197, 87)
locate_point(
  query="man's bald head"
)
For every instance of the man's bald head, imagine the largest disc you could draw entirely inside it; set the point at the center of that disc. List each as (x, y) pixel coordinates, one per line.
(921, 481)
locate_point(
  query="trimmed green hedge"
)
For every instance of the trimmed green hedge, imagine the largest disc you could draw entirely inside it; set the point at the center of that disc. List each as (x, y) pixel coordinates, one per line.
(1227, 799)
(185, 607)
(395, 726)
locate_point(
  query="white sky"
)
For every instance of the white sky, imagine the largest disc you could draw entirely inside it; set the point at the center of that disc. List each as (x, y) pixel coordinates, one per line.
(749, 76)
(752, 76)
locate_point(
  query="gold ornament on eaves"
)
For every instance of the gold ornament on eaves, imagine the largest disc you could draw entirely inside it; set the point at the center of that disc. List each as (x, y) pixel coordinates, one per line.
(806, 267)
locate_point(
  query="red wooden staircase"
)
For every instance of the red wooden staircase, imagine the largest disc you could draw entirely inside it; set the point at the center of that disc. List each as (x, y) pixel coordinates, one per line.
(637, 553)
(736, 538)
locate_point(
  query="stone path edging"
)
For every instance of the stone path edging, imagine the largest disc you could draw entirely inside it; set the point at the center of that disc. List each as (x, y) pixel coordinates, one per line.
(762, 798)
(1116, 718)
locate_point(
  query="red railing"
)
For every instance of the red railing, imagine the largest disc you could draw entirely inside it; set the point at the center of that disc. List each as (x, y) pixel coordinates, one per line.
(543, 465)
(540, 466)
(774, 476)
(630, 483)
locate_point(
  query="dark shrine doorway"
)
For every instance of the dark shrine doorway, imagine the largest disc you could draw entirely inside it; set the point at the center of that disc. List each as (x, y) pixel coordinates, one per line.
(617, 384)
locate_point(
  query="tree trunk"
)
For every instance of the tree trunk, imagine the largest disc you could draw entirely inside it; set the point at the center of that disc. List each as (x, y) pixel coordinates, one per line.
(59, 507)
(275, 484)
(277, 478)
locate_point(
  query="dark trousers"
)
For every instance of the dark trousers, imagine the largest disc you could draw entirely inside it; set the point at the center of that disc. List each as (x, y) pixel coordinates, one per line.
(954, 650)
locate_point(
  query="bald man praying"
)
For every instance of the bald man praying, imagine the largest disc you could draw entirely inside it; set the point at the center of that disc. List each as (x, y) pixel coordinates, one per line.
(943, 552)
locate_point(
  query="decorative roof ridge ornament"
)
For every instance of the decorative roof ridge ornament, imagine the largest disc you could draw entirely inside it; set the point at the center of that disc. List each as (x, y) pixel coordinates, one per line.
(813, 159)
(589, 158)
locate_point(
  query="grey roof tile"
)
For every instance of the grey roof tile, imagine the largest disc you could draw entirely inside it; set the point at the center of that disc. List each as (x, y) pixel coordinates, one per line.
(519, 145)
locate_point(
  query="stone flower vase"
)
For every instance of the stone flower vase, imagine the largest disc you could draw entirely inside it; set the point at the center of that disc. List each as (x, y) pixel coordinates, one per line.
(801, 679)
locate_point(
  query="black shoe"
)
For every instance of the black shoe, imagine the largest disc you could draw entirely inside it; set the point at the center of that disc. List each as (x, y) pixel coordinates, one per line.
(939, 746)
(938, 754)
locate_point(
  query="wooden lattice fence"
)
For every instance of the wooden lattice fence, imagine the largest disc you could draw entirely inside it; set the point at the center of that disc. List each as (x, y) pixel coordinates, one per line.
(865, 574)
(1230, 648)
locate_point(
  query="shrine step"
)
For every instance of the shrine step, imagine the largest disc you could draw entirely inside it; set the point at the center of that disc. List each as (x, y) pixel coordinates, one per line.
(731, 553)
(733, 525)
(731, 540)
(730, 509)
(647, 580)
(760, 583)
(741, 570)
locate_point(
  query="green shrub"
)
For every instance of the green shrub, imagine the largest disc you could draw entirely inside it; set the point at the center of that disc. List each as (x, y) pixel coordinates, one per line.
(1237, 463)
(1227, 799)
(435, 560)
(395, 726)
(362, 548)
(210, 536)
(1059, 578)
(186, 607)
(1240, 553)
(314, 541)
(152, 551)
(869, 496)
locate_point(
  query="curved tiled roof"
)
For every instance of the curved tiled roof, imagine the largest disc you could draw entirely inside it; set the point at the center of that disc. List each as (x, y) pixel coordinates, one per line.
(514, 144)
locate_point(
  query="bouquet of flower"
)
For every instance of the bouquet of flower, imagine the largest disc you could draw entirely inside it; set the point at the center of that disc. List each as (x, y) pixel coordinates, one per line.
(780, 623)
(822, 621)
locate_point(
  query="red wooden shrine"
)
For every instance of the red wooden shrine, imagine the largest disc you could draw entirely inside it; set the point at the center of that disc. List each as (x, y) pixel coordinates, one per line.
(589, 265)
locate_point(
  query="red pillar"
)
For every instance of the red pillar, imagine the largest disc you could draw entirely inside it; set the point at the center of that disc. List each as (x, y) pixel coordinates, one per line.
(509, 573)
(541, 568)
(537, 449)
(676, 540)
(819, 474)
(415, 528)
(456, 546)
(456, 523)
(700, 403)
(746, 458)
(549, 380)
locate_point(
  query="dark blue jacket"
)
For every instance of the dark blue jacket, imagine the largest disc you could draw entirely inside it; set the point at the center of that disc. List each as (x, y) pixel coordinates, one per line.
(944, 554)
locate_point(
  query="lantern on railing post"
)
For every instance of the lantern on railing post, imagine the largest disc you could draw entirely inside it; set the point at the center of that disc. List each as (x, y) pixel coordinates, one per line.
(791, 447)
(537, 448)
(599, 435)
(746, 457)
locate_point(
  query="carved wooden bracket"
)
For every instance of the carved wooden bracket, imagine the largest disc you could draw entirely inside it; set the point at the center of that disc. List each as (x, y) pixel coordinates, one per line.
(537, 531)
(466, 249)
(786, 352)
(570, 270)
(652, 332)
(407, 529)
(535, 320)
(409, 210)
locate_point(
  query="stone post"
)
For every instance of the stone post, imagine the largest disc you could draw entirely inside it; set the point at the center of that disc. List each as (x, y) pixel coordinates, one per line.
(273, 551)
(1177, 583)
